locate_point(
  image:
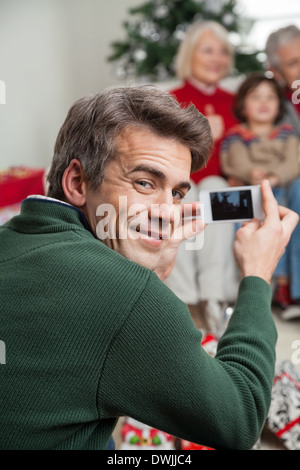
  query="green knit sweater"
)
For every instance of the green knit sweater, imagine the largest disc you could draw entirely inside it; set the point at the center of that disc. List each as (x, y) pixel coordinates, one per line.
(91, 336)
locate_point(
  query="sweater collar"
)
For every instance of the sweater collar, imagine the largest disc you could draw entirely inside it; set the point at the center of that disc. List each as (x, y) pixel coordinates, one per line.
(206, 90)
(43, 214)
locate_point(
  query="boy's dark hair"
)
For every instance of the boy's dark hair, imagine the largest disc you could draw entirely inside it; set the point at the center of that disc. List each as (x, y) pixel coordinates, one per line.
(248, 85)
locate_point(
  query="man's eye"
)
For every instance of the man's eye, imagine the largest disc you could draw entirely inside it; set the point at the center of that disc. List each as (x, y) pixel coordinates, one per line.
(177, 194)
(144, 184)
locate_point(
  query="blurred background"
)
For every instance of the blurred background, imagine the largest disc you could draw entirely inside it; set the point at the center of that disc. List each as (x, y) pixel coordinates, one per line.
(54, 51)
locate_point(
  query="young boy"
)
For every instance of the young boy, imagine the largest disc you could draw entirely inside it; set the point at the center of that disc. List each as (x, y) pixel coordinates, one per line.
(260, 148)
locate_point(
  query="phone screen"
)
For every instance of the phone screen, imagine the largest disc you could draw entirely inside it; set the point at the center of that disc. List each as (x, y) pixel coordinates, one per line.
(231, 205)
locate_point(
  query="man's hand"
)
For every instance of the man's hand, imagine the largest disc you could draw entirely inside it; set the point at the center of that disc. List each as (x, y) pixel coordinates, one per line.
(257, 175)
(258, 246)
(186, 226)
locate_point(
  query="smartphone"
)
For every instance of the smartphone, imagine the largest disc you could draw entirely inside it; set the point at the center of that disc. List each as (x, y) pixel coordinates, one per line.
(236, 204)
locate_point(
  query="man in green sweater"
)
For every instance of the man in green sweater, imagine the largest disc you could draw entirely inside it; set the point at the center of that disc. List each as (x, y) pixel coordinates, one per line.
(91, 332)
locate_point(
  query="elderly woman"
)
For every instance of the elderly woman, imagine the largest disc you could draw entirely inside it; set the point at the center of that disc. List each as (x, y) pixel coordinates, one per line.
(204, 58)
(206, 279)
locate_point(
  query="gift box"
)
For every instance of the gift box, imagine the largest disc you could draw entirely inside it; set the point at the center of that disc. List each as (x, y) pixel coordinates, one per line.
(186, 445)
(210, 343)
(138, 436)
(284, 414)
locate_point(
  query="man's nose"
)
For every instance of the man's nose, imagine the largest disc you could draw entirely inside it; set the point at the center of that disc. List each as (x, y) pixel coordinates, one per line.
(164, 198)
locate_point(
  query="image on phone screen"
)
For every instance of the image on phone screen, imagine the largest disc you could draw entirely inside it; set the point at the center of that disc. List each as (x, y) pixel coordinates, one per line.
(231, 205)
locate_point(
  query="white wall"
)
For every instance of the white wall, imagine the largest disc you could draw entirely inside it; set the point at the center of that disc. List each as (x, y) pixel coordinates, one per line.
(51, 53)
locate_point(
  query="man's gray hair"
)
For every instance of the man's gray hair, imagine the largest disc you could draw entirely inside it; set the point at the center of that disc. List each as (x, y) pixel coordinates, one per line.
(94, 122)
(279, 38)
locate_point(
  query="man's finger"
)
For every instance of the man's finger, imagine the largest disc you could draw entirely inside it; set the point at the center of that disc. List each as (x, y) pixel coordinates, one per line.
(188, 229)
(190, 209)
(252, 225)
(269, 202)
(289, 219)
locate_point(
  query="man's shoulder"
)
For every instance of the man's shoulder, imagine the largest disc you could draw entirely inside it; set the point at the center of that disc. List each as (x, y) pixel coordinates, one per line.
(97, 259)
(105, 280)
(291, 117)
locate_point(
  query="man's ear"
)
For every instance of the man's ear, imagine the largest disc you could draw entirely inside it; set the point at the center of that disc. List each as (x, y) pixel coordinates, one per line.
(74, 184)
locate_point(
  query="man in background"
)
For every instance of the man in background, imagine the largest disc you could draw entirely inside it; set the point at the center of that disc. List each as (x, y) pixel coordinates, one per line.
(283, 60)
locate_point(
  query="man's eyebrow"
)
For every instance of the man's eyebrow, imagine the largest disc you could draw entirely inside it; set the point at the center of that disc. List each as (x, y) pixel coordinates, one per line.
(149, 169)
(159, 174)
(185, 185)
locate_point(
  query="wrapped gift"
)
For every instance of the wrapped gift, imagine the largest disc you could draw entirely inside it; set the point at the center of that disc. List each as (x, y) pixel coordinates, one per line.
(210, 343)
(17, 183)
(139, 436)
(8, 212)
(186, 445)
(284, 414)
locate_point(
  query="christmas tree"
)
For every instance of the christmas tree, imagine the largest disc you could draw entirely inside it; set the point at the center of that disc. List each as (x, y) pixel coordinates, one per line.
(156, 28)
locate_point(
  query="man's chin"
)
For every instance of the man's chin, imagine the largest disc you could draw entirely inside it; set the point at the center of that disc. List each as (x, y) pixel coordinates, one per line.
(151, 243)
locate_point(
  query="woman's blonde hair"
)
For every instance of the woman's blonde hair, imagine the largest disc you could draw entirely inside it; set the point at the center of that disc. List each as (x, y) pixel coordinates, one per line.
(183, 64)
